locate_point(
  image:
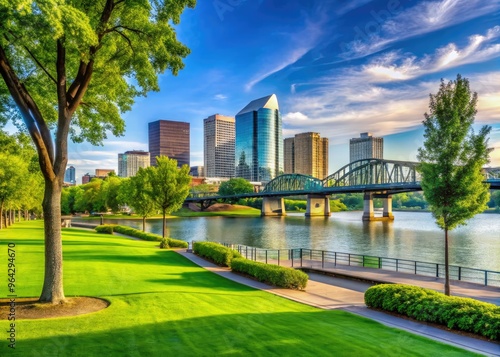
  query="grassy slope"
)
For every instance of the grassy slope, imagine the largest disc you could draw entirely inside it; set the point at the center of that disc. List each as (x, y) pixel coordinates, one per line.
(163, 305)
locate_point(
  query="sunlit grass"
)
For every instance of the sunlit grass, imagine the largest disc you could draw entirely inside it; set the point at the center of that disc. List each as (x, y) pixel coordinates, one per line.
(164, 305)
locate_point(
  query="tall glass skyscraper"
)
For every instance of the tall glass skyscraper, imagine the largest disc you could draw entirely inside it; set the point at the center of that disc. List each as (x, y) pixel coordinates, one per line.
(259, 143)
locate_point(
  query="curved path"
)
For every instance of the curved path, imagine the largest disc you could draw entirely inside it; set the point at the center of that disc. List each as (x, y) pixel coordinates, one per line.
(327, 292)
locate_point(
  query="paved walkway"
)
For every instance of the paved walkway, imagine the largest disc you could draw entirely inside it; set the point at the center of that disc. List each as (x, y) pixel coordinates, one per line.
(333, 292)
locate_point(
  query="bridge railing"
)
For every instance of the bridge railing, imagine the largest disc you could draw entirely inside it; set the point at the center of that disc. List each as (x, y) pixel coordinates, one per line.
(324, 260)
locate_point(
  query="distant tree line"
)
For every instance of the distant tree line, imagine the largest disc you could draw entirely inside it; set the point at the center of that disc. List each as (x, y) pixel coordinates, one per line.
(21, 183)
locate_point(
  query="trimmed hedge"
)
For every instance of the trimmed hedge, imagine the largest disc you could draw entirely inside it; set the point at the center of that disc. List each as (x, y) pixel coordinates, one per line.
(427, 305)
(105, 228)
(276, 275)
(216, 252)
(129, 231)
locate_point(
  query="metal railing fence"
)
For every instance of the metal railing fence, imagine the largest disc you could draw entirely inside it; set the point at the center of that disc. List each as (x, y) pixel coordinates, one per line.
(322, 259)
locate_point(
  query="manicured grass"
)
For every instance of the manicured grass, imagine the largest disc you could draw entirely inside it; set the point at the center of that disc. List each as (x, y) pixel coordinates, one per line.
(164, 305)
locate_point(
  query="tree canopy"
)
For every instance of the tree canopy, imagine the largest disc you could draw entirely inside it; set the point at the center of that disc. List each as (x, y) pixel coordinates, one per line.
(72, 68)
(235, 186)
(452, 157)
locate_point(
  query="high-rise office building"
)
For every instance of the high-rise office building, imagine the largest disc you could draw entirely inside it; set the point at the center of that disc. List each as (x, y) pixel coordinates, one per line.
(70, 175)
(219, 141)
(130, 161)
(366, 147)
(169, 138)
(259, 143)
(307, 154)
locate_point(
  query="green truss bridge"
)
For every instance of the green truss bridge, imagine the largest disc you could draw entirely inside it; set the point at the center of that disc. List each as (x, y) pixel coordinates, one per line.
(375, 178)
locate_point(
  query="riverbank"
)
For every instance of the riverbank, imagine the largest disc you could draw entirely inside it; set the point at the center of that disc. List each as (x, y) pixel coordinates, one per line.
(163, 304)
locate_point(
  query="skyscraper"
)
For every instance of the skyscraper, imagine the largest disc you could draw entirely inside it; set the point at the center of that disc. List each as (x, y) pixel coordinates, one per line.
(169, 138)
(219, 141)
(69, 175)
(307, 154)
(366, 147)
(259, 143)
(130, 161)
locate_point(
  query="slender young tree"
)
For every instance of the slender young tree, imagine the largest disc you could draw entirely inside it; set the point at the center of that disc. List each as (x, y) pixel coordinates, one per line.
(452, 158)
(135, 191)
(71, 68)
(169, 186)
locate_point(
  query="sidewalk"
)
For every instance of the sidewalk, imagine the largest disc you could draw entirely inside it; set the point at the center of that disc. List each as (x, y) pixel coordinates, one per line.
(334, 292)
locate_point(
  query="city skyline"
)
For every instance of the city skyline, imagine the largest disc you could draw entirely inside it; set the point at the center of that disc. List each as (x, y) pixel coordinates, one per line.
(338, 69)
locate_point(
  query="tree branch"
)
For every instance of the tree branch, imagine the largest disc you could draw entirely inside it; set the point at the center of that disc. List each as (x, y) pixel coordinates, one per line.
(64, 118)
(31, 115)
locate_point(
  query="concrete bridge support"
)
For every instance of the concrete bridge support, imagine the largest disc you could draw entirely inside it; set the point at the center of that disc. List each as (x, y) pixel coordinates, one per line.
(273, 206)
(318, 205)
(368, 211)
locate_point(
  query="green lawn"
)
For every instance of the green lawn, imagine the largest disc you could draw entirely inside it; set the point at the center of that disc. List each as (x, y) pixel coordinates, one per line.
(164, 305)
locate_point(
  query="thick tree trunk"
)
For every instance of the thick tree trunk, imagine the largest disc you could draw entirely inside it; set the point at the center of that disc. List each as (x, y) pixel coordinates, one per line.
(52, 290)
(446, 265)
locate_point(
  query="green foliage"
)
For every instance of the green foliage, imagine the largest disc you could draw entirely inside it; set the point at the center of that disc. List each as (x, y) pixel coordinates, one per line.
(216, 252)
(337, 205)
(275, 275)
(136, 192)
(235, 186)
(453, 155)
(169, 185)
(105, 228)
(427, 305)
(164, 243)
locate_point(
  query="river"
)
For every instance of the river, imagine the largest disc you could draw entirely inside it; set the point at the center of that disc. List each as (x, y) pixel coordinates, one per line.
(412, 235)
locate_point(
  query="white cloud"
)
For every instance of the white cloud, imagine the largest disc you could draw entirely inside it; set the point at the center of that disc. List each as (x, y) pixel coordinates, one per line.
(220, 97)
(386, 27)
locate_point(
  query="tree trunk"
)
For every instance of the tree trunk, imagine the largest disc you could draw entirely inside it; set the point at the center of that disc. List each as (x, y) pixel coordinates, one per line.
(144, 224)
(446, 265)
(12, 217)
(164, 224)
(19, 215)
(1, 215)
(52, 290)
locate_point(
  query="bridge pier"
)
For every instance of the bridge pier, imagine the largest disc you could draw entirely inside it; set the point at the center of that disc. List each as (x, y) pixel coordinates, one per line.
(368, 212)
(318, 205)
(273, 206)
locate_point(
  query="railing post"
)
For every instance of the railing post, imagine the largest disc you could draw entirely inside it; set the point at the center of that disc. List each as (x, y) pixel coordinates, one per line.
(278, 257)
(349, 259)
(415, 267)
(322, 259)
(486, 278)
(266, 256)
(379, 262)
(335, 261)
(301, 257)
(363, 261)
(291, 251)
(437, 270)
(397, 264)
(459, 273)
(246, 252)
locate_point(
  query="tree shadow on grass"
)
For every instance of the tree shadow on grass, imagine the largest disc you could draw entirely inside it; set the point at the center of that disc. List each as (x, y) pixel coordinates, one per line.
(321, 333)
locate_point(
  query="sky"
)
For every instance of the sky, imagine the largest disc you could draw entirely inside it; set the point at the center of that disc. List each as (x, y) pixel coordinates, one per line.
(338, 68)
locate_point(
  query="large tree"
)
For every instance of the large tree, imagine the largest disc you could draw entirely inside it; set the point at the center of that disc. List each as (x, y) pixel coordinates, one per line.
(235, 186)
(169, 186)
(136, 192)
(71, 68)
(452, 158)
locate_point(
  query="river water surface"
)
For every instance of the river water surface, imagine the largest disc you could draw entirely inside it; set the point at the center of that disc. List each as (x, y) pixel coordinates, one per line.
(412, 235)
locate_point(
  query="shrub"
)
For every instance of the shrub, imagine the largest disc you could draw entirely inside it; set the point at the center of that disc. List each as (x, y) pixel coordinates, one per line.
(427, 305)
(105, 228)
(129, 231)
(216, 252)
(164, 243)
(276, 275)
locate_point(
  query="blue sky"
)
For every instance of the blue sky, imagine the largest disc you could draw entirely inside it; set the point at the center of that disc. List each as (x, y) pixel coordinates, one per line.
(338, 68)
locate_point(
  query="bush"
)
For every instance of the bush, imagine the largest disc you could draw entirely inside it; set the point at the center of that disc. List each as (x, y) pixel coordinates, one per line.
(105, 228)
(427, 305)
(164, 243)
(216, 252)
(272, 274)
(129, 231)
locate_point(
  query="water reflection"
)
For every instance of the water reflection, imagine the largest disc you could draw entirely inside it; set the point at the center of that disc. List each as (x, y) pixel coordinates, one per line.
(412, 235)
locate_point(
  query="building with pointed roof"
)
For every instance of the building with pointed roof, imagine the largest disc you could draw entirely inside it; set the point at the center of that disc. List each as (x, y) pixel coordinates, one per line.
(259, 143)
